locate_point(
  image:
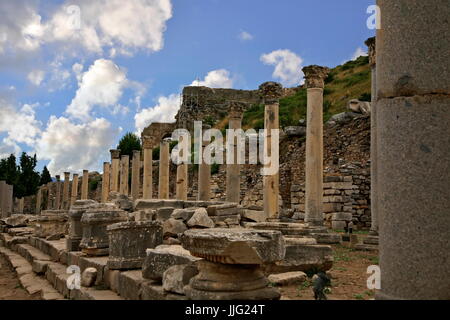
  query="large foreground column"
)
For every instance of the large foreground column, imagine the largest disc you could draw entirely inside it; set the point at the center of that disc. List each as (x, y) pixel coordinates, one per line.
(106, 182)
(65, 202)
(164, 167)
(234, 169)
(413, 156)
(85, 185)
(124, 175)
(147, 144)
(271, 93)
(115, 167)
(136, 175)
(58, 193)
(74, 196)
(315, 82)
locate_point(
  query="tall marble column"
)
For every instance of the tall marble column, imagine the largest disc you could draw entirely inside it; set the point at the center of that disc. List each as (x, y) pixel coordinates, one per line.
(204, 172)
(164, 167)
(233, 192)
(136, 175)
(65, 202)
(8, 198)
(74, 195)
(85, 185)
(371, 44)
(413, 149)
(315, 82)
(271, 93)
(124, 175)
(58, 193)
(38, 201)
(21, 205)
(50, 198)
(147, 144)
(105, 181)
(115, 166)
(182, 177)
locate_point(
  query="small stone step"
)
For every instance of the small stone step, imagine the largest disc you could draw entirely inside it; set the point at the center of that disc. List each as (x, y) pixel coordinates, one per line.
(373, 240)
(31, 254)
(366, 247)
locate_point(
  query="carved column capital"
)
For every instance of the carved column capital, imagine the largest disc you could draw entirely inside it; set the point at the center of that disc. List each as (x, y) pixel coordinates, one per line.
(271, 92)
(148, 142)
(236, 109)
(315, 76)
(115, 154)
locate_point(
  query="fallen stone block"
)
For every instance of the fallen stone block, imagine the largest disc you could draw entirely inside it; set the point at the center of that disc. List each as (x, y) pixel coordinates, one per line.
(177, 277)
(288, 278)
(200, 219)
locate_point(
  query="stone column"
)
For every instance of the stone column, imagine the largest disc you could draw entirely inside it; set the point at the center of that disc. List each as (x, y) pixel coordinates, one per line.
(124, 173)
(21, 205)
(38, 201)
(371, 44)
(315, 82)
(204, 172)
(74, 195)
(147, 144)
(115, 167)
(105, 181)
(65, 202)
(85, 185)
(271, 92)
(136, 174)
(413, 153)
(50, 199)
(58, 193)
(2, 198)
(182, 177)
(233, 191)
(9, 200)
(164, 167)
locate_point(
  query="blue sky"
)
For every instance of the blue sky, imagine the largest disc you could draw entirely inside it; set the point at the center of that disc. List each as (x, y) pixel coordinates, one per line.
(69, 94)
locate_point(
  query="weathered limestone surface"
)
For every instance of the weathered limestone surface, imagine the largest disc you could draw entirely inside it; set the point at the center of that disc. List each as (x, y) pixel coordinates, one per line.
(124, 171)
(177, 277)
(65, 202)
(148, 144)
(106, 181)
(95, 241)
(164, 166)
(235, 246)
(74, 194)
(162, 258)
(115, 167)
(51, 222)
(75, 228)
(58, 194)
(233, 192)
(136, 175)
(413, 132)
(85, 185)
(128, 242)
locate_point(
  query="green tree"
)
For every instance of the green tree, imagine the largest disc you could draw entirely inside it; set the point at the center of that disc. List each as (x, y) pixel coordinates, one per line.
(9, 170)
(28, 182)
(129, 143)
(45, 176)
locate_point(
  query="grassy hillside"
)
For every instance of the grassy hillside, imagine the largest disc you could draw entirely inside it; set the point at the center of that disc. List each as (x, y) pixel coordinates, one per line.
(345, 82)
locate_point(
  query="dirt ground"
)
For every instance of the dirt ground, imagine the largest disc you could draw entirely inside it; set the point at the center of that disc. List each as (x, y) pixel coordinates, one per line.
(349, 277)
(10, 288)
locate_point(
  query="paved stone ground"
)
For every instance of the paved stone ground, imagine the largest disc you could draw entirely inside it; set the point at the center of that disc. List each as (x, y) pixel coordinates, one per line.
(349, 277)
(10, 288)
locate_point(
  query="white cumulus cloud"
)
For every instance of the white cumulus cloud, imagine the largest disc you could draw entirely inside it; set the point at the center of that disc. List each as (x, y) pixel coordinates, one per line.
(74, 147)
(102, 85)
(245, 36)
(215, 79)
(288, 66)
(36, 77)
(164, 111)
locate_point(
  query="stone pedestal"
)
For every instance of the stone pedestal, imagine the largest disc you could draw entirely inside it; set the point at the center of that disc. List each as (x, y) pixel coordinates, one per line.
(74, 194)
(105, 181)
(85, 185)
(136, 175)
(65, 201)
(232, 268)
(413, 139)
(115, 165)
(75, 228)
(124, 175)
(271, 93)
(58, 194)
(233, 193)
(51, 222)
(147, 188)
(164, 167)
(315, 81)
(95, 241)
(129, 241)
